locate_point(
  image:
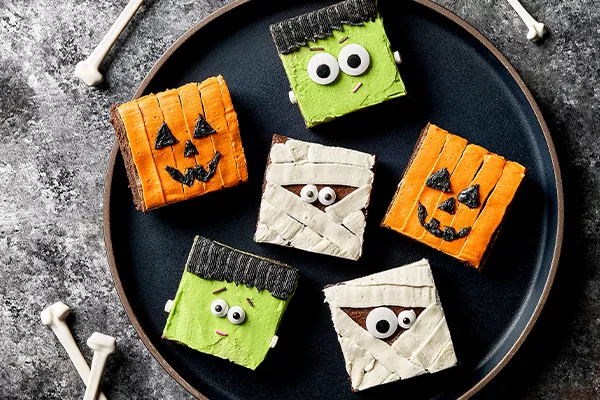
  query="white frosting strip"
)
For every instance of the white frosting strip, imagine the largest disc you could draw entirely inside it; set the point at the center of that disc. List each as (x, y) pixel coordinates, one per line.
(381, 351)
(374, 296)
(280, 154)
(326, 154)
(265, 234)
(312, 217)
(422, 329)
(298, 150)
(306, 239)
(446, 359)
(318, 174)
(416, 274)
(355, 201)
(356, 223)
(433, 346)
(282, 223)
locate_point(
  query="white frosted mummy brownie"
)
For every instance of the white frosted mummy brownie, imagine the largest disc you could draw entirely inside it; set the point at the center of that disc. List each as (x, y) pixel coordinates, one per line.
(391, 325)
(315, 198)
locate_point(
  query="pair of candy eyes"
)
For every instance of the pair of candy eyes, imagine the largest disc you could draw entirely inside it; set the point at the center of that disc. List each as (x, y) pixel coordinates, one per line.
(310, 194)
(323, 68)
(383, 322)
(236, 314)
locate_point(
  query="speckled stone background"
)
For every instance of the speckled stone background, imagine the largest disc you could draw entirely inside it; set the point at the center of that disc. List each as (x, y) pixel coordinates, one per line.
(55, 141)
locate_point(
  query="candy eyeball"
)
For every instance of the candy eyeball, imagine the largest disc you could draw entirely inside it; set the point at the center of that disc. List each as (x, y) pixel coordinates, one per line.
(354, 59)
(219, 308)
(236, 315)
(406, 319)
(382, 322)
(309, 193)
(327, 196)
(323, 68)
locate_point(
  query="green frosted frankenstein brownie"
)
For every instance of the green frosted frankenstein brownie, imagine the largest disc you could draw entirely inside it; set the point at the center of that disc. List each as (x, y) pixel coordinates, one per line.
(338, 60)
(229, 303)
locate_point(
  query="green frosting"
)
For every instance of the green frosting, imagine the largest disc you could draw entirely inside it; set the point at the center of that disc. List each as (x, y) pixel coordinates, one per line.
(191, 322)
(321, 103)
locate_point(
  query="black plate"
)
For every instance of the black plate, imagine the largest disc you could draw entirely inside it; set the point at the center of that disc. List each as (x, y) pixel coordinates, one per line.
(457, 80)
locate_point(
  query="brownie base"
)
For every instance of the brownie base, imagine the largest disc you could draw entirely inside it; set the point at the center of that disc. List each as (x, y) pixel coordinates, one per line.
(135, 184)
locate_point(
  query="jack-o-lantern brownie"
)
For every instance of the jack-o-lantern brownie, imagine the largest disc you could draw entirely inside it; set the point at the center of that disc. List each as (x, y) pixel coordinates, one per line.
(391, 325)
(338, 60)
(315, 198)
(229, 303)
(180, 143)
(454, 196)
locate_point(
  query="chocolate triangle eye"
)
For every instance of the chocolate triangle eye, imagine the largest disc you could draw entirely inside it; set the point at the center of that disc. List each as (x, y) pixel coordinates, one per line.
(202, 128)
(439, 180)
(190, 149)
(448, 205)
(164, 137)
(470, 196)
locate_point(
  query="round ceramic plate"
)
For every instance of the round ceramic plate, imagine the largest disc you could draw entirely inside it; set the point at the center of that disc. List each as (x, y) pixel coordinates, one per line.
(457, 80)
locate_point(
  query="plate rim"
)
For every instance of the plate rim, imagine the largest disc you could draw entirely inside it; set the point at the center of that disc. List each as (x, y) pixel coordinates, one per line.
(433, 7)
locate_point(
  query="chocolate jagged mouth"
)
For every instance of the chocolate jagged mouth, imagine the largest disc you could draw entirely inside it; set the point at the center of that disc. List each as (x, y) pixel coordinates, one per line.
(196, 173)
(433, 226)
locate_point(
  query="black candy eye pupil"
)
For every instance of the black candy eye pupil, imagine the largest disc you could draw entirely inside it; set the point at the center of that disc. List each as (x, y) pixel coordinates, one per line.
(406, 320)
(323, 71)
(354, 61)
(310, 194)
(382, 326)
(236, 315)
(327, 197)
(218, 308)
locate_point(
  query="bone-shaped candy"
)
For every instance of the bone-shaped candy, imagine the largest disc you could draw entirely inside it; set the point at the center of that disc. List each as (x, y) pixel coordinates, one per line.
(54, 317)
(536, 30)
(103, 345)
(87, 70)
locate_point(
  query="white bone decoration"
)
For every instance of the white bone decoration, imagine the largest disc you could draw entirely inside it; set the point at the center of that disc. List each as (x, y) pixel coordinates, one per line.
(425, 347)
(289, 220)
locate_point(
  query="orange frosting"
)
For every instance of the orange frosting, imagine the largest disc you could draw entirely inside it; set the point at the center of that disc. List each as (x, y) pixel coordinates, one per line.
(415, 177)
(493, 213)
(234, 130)
(142, 154)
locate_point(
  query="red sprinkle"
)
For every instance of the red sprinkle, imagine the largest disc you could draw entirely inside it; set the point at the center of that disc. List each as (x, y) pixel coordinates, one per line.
(220, 333)
(342, 40)
(358, 85)
(317, 48)
(249, 301)
(220, 290)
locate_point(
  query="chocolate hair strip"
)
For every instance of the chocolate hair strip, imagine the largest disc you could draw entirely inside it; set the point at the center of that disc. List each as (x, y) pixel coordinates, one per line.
(212, 260)
(293, 33)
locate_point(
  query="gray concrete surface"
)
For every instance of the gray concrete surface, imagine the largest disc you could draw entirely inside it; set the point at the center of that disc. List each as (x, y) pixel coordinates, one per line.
(54, 146)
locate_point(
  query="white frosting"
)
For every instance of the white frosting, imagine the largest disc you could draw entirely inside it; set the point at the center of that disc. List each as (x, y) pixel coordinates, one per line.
(356, 223)
(425, 347)
(336, 155)
(280, 154)
(318, 174)
(357, 200)
(287, 206)
(298, 150)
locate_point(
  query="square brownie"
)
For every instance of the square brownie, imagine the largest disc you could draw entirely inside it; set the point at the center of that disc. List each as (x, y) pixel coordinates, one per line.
(454, 195)
(315, 198)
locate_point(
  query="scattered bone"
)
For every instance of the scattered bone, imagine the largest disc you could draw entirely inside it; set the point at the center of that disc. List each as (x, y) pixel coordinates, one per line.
(103, 345)
(87, 70)
(536, 30)
(54, 317)
(168, 306)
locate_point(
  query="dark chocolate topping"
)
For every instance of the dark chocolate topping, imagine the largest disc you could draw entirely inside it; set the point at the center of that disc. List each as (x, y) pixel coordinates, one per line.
(433, 226)
(470, 196)
(187, 179)
(202, 128)
(198, 172)
(439, 180)
(295, 32)
(190, 149)
(448, 205)
(164, 137)
(212, 260)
